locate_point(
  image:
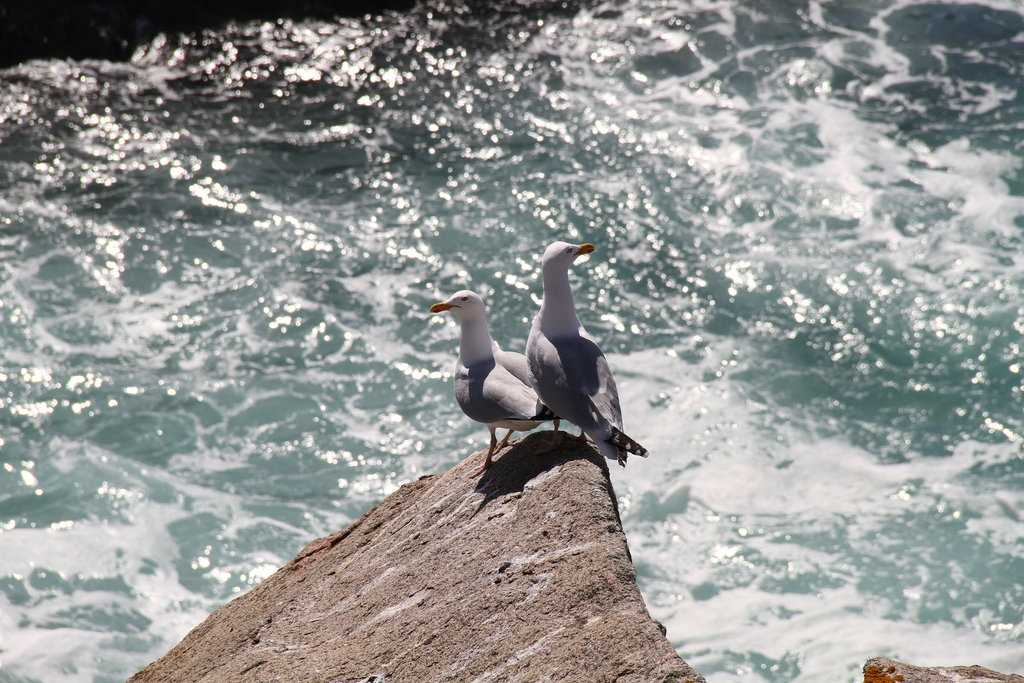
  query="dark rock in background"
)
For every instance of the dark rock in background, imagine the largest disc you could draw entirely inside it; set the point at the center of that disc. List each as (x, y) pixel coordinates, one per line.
(41, 29)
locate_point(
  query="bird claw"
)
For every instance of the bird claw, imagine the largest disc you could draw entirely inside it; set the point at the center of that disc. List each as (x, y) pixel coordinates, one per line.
(489, 460)
(483, 468)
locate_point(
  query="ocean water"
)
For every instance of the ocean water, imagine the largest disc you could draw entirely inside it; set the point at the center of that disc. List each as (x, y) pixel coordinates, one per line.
(216, 263)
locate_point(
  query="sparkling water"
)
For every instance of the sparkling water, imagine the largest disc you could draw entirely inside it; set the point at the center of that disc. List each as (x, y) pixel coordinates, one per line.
(216, 264)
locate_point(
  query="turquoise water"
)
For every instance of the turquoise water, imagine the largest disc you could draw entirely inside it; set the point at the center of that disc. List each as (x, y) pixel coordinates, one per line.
(216, 263)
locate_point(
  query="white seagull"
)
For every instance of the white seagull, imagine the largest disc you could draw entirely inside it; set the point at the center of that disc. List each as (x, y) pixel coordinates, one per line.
(491, 385)
(567, 369)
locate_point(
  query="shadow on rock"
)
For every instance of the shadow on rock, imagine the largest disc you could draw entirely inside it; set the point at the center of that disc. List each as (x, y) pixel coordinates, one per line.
(518, 465)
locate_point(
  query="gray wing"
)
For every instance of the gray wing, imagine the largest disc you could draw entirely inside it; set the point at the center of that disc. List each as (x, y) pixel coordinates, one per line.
(573, 378)
(487, 392)
(514, 363)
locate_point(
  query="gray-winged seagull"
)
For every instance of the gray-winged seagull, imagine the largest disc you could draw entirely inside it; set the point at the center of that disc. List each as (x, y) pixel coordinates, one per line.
(567, 369)
(491, 385)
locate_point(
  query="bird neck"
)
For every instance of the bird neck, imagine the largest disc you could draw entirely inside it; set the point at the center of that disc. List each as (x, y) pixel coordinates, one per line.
(558, 312)
(475, 341)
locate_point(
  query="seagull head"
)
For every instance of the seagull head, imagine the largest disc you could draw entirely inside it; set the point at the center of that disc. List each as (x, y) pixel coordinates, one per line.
(562, 254)
(465, 304)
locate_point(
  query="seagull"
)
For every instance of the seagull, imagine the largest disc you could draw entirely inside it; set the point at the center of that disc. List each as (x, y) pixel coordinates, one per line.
(567, 369)
(491, 385)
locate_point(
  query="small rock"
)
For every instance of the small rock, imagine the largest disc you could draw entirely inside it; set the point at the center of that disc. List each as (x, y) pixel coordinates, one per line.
(881, 670)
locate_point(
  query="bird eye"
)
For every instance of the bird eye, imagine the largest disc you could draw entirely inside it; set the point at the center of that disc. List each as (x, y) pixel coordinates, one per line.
(568, 250)
(465, 298)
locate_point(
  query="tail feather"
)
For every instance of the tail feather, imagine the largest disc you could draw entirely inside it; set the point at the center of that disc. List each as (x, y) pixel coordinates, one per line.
(625, 444)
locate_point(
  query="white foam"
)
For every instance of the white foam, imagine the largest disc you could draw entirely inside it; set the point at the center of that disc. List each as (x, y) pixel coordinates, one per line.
(731, 496)
(139, 555)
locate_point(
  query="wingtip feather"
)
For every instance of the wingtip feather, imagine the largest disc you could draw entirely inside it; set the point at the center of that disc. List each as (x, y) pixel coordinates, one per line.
(623, 441)
(624, 446)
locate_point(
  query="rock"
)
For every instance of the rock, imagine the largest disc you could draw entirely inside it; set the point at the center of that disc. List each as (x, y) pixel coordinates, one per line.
(880, 670)
(522, 573)
(112, 29)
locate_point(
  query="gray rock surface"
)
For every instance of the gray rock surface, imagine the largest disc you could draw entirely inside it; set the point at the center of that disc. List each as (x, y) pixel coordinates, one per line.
(520, 574)
(882, 670)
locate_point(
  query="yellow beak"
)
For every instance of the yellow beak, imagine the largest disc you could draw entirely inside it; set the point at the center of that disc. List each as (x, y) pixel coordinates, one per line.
(585, 248)
(442, 306)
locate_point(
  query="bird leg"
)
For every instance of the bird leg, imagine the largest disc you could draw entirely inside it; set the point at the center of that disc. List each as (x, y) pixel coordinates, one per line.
(495, 447)
(490, 452)
(504, 442)
(548, 446)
